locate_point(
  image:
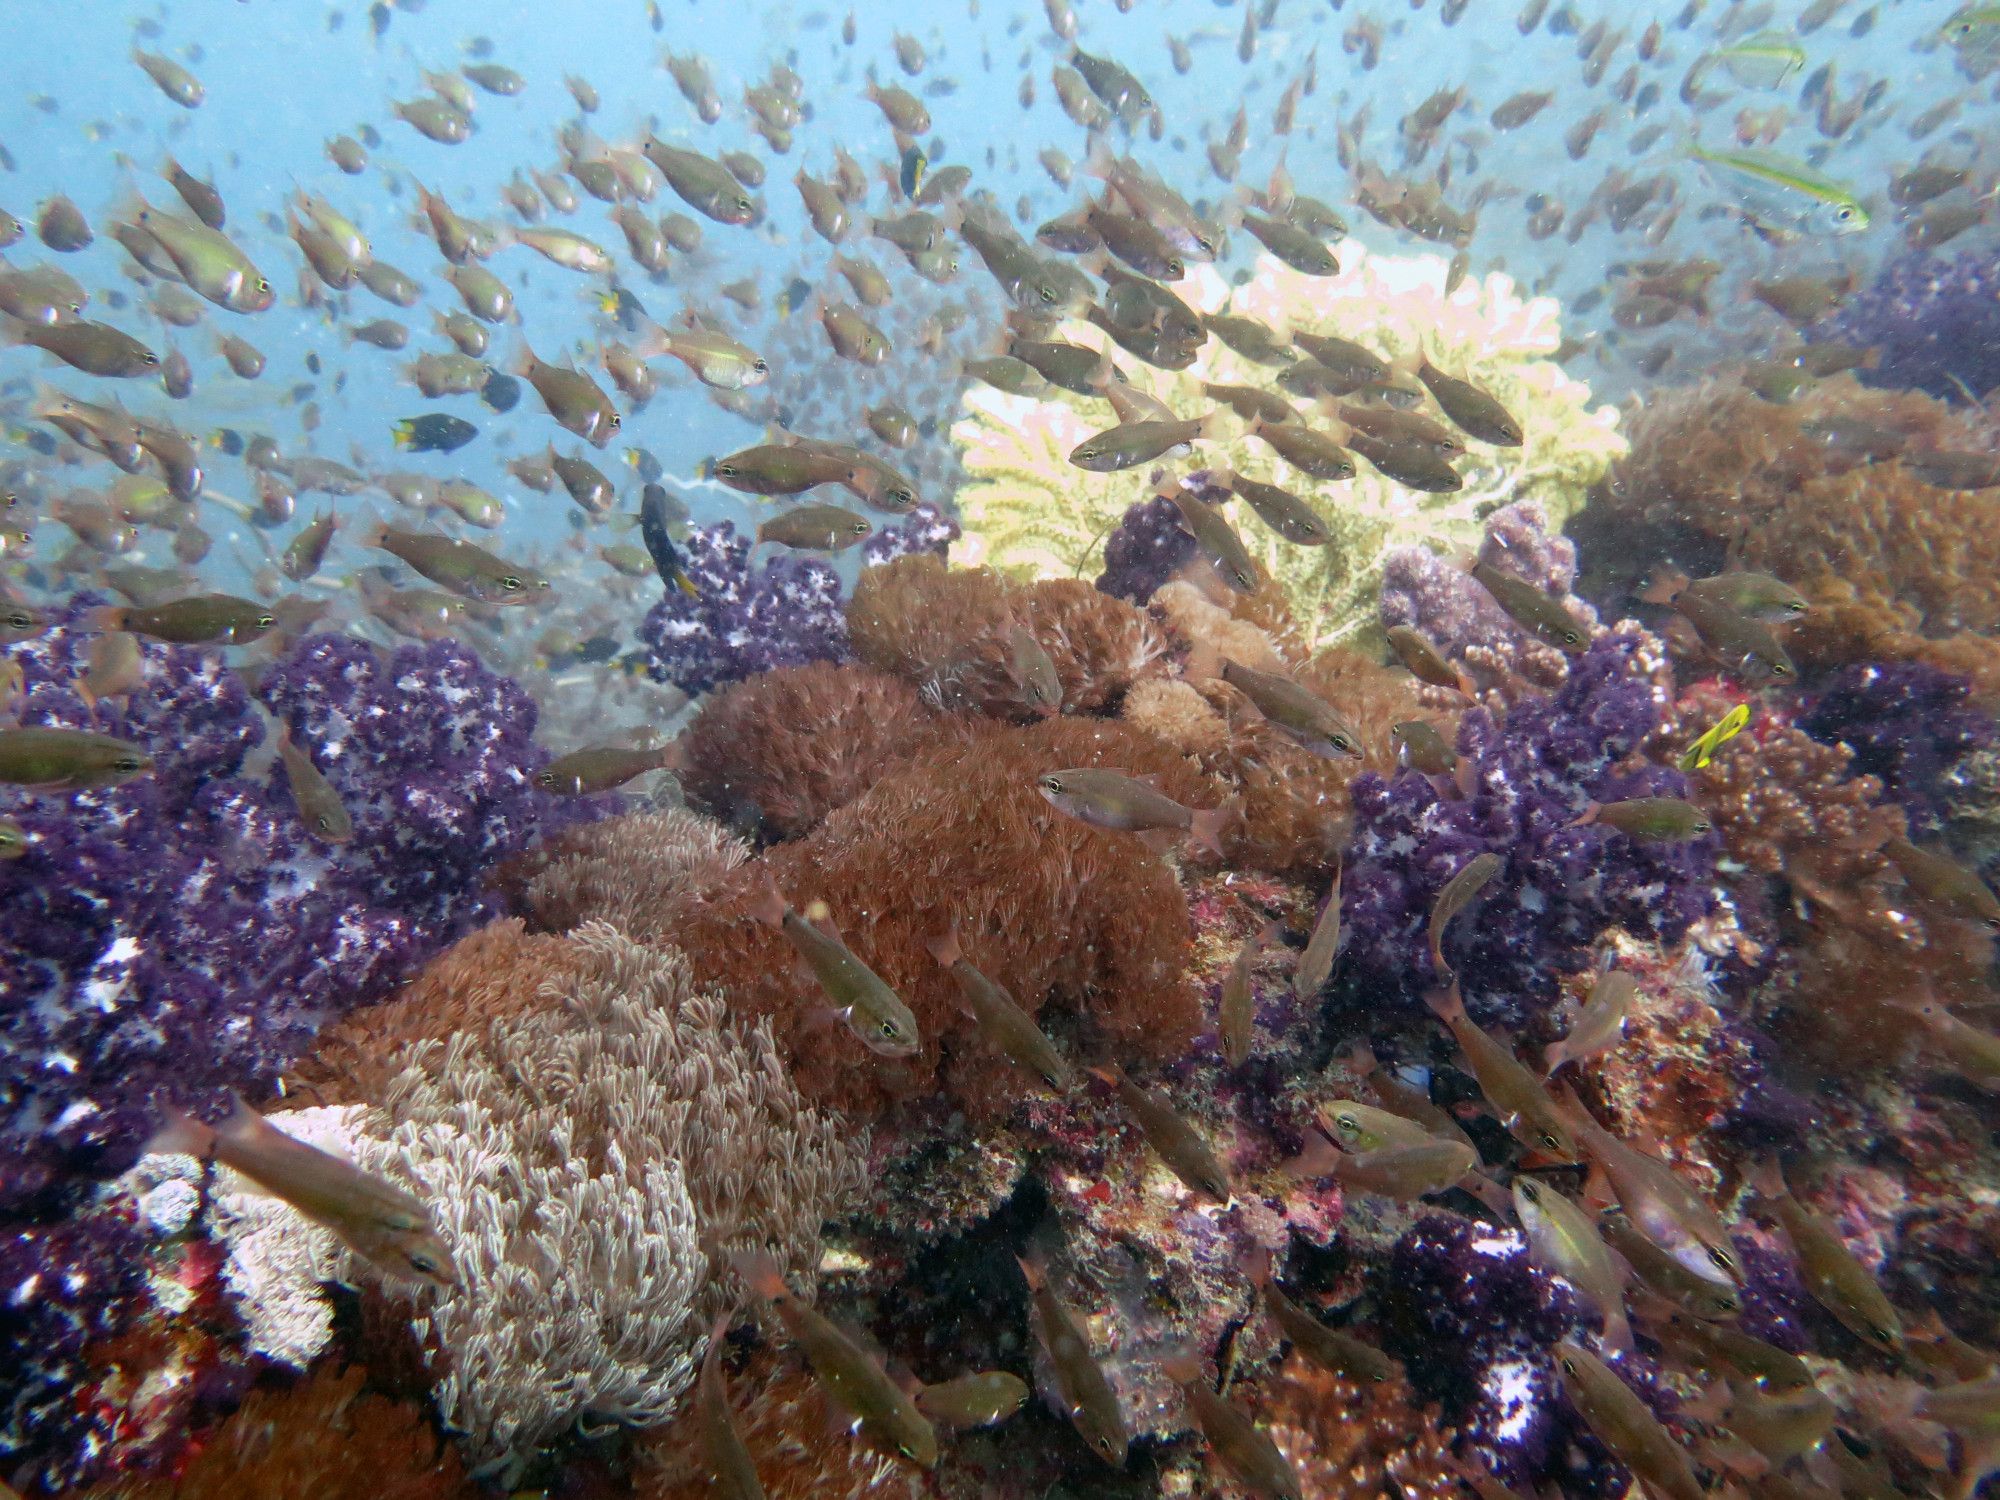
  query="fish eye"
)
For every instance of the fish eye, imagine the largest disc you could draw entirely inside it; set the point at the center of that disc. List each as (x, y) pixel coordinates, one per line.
(510, 583)
(1048, 294)
(263, 285)
(744, 205)
(890, 1029)
(616, 421)
(422, 1263)
(1551, 1142)
(265, 622)
(860, 528)
(1703, 826)
(1570, 637)
(1723, 1259)
(1050, 783)
(324, 822)
(20, 620)
(149, 359)
(128, 763)
(1568, 1365)
(760, 367)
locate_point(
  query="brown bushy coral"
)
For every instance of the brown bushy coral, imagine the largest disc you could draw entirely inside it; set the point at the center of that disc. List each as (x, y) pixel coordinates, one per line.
(323, 1438)
(1052, 908)
(945, 630)
(803, 1450)
(783, 749)
(1349, 1442)
(1900, 564)
(616, 868)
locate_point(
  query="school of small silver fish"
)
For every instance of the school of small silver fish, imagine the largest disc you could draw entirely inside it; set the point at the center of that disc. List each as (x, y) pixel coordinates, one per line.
(246, 404)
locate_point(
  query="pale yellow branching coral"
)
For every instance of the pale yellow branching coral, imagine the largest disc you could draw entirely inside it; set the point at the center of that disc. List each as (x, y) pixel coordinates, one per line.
(1028, 511)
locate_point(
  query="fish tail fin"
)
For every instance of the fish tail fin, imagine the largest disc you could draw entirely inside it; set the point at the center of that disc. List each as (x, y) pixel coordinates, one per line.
(1110, 1073)
(1214, 427)
(1462, 557)
(370, 530)
(1204, 662)
(106, 617)
(760, 1273)
(1098, 160)
(718, 1334)
(182, 1135)
(1205, 831)
(404, 434)
(1663, 585)
(1768, 1178)
(523, 362)
(1034, 1269)
(1181, 1367)
(1319, 1158)
(1617, 1330)
(1588, 815)
(945, 947)
(1448, 1005)
(767, 905)
(1361, 1058)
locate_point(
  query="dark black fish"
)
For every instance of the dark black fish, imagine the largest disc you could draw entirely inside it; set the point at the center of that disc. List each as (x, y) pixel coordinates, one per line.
(798, 293)
(378, 17)
(599, 648)
(914, 165)
(650, 469)
(434, 432)
(653, 523)
(501, 392)
(230, 441)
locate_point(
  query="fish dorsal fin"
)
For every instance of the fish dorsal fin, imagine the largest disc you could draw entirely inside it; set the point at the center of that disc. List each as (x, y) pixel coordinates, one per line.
(821, 916)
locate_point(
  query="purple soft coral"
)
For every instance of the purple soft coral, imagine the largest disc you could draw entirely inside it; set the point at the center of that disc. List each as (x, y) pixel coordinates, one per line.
(1935, 323)
(181, 933)
(741, 622)
(1906, 722)
(1559, 885)
(1147, 548)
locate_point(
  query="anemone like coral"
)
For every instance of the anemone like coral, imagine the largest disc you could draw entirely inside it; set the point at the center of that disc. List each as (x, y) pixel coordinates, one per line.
(583, 1161)
(1057, 911)
(1559, 885)
(779, 752)
(1030, 512)
(327, 1436)
(617, 869)
(947, 631)
(1719, 477)
(182, 932)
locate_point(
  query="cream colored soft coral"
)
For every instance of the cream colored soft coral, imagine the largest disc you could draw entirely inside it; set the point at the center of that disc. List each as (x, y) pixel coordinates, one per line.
(1031, 513)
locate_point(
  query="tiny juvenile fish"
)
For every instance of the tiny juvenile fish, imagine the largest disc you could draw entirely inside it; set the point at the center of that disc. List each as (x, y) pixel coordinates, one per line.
(585, 773)
(206, 619)
(1086, 1396)
(1600, 1024)
(375, 1219)
(1237, 1010)
(1563, 1241)
(68, 760)
(977, 1400)
(1001, 1021)
(1285, 513)
(1322, 948)
(1650, 820)
(1453, 897)
(1525, 1108)
(873, 1011)
(1702, 751)
(1420, 747)
(1111, 799)
(1301, 714)
(1243, 1447)
(852, 1376)
(1535, 611)
(1185, 1153)
(320, 807)
(816, 528)
(1624, 1424)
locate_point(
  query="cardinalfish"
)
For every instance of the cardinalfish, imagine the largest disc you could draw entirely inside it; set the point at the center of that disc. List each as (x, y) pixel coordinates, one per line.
(1332, 1350)
(976, 1400)
(1086, 1396)
(1243, 1447)
(604, 768)
(1563, 1241)
(1183, 1150)
(850, 1375)
(1524, 1106)
(1001, 1020)
(1456, 895)
(68, 760)
(1837, 1281)
(730, 1466)
(375, 1219)
(1600, 1024)
(1111, 799)
(1315, 965)
(1237, 1011)
(872, 1011)
(1624, 1424)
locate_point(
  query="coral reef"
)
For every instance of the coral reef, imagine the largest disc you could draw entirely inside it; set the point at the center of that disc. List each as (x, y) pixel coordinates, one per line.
(1932, 321)
(615, 870)
(1057, 911)
(1345, 1441)
(1148, 546)
(779, 752)
(143, 919)
(1908, 725)
(1719, 477)
(652, 1138)
(327, 1436)
(925, 529)
(742, 620)
(1031, 513)
(1560, 885)
(1461, 618)
(946, 630)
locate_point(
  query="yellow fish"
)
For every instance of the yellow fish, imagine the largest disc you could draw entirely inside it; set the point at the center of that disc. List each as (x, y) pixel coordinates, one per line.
(1703, 750)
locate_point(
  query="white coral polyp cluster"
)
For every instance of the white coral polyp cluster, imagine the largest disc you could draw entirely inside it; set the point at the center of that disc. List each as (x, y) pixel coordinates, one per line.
(1030, 512)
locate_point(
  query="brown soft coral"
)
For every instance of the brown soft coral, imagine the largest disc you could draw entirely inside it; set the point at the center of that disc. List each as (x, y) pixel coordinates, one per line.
(802, 1448)
(1349, 1442)
(1052, 908)
(616, 869)
(322, 1437)
(945, 630)
(1860, 940)
(785, 748)
(1897, 562)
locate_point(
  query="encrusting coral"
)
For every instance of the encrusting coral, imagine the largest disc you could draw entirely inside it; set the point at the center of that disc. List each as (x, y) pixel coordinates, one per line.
(1057, 911)
(1346, 1441)
(327, 1437)
(1031, 513)
(947, 631)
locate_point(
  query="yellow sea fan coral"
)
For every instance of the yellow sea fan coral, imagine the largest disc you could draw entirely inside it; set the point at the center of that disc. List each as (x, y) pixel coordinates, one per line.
(1031, 513)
